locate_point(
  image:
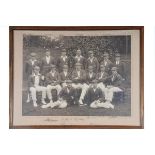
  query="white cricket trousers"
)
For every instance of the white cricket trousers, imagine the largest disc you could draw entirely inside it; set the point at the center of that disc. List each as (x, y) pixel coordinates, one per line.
(50, 87)
(101, 86)
(34, 90)
(84, 88)
(109, 93)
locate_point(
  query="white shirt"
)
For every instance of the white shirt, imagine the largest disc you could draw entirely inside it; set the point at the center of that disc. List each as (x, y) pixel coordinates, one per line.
(91, 60)
(94, 89)
(101, 75)
(117, 62)
(78, 58)
(65, 73)
(48, 59)
(36, 80)
(33, 61)
(105, 63)
(53, 73)
(68, 90)
(64, 58)
(112, 79)
(78, 73)
(90, 75)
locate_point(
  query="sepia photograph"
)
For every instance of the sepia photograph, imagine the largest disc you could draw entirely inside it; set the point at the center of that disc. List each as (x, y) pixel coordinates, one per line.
(76, 77)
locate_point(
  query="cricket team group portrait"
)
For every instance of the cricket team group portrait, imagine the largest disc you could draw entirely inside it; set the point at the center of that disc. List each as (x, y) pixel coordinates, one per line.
(76, 75)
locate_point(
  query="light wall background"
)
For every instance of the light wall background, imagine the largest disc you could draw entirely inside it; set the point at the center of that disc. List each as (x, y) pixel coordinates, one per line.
(69, 12)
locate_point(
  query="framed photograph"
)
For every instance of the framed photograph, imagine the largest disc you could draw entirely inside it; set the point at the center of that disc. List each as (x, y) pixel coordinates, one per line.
(76, 77)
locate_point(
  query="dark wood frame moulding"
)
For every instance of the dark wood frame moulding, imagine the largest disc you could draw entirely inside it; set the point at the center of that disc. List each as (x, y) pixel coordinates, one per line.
(74, 28)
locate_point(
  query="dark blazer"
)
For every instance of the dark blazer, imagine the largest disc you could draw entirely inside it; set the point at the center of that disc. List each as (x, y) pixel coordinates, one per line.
(61, 63)
(115, 80)
(92, 95)
(31, 81)
(45, 67)
(108, 66)
(82, 77)
(89, 79)
(29, 67)
(67, 96)
(120, 68)
(103, 78)
(50, 79)
(82, 61)
(63, 77)
(94, 63)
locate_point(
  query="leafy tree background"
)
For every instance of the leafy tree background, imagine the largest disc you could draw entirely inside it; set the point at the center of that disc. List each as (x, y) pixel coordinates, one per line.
(98, 44)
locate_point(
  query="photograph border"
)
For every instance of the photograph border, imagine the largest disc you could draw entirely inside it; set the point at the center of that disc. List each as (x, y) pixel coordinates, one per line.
(74, 28)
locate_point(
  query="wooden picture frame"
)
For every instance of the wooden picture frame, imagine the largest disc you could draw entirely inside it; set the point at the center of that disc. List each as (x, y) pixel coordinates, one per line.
(16, 38)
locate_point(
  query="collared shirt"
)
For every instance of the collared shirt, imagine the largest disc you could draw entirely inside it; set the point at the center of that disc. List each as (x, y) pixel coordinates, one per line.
(64, 58)
(90, 75)
(68, 90)
(91, 59)
(78, 58)
(36, 79)
(94, 89)
(53, 73)
(117, 62)
(32, 62)
(65, 73)
(112, 79)
(105, 63)
(78, 73)
(101, 75)
(48, 59)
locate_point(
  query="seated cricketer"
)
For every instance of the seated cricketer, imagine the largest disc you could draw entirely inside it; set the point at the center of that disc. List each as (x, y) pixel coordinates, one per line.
(53, 82)
(93, 93)
(102, 76)
(79, 78)
(113, 85)
(64, 75)
(36, 84)
(66, 97)
(90, 76)
(95, 97)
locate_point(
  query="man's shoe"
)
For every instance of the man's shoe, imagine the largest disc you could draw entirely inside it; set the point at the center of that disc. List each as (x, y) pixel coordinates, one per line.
(35, 104)
(46, 106)
(81, 103)
(28, 100)
(43, 102)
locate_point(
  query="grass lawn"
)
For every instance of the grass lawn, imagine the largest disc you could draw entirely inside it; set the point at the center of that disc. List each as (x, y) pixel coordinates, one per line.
(121, 109)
